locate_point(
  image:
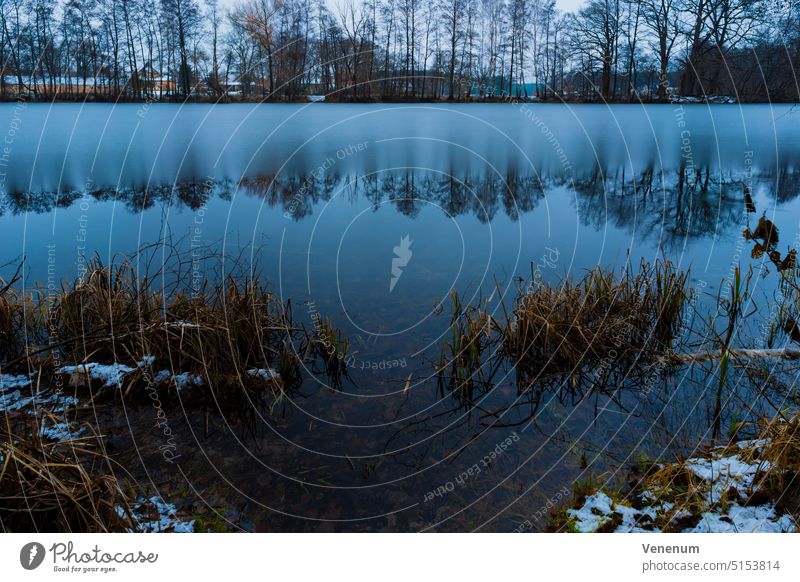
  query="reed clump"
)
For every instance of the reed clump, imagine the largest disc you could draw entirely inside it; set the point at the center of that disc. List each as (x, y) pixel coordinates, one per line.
(583, 329)
(598, 320)
(779, 446)
(62, 486)
(461, 368)
(13, 307)
(234, 334)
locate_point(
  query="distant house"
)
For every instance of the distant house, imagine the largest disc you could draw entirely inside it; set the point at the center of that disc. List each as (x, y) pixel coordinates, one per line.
(238, 87)
(153, 82)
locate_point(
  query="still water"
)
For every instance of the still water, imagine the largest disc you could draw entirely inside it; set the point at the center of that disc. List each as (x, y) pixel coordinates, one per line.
(370, 215)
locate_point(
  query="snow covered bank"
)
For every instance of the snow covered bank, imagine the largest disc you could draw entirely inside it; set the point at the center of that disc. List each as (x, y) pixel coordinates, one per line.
(720, 492)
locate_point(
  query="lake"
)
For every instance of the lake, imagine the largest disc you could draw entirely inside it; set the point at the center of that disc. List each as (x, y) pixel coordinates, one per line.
(370, 215)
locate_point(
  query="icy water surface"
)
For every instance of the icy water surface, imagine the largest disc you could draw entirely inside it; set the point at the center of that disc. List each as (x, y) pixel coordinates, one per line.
(371, 215)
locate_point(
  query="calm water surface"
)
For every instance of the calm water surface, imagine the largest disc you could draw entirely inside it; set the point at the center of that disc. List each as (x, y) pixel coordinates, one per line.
(316, 198)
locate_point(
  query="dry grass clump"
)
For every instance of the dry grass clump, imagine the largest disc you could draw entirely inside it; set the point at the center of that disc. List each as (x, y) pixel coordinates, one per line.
(583, 329)
(676, 483)
(600, 319)
(106, 314)
(13, 306)
(779, 446)
(219, 332)
(224, 330)
(57, 486)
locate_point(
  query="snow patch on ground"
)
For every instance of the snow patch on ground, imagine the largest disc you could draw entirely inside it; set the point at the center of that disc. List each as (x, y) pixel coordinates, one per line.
(185, 380)
(60, 431)
(599, 508)
(711, 99)
(718, 473)
(266, 374)
(739, 519)
(156, 515)
(110, 374)
(726, 472)
(181, 381)
(17, 400)
(183, 324)
(10, 381)
(49, 401)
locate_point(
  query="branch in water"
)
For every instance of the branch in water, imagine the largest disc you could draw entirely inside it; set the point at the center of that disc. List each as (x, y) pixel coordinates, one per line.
(739, 353)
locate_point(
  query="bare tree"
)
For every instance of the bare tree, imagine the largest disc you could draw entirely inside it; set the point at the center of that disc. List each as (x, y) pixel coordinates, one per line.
(662, 18)
(256, 19)
(453, 11)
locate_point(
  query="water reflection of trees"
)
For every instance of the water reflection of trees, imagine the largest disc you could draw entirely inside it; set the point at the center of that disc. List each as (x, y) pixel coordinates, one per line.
(690, 202)
(408, 192)
(671, 205)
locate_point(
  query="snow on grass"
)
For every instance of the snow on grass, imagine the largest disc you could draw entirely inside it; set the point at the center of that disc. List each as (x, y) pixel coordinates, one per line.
(181, 381)
(60, 431)
(183, 324)
(10, 381)
(596, 511)
(719, 473)
(599, 509)
(187, 379)
(12, 400)
(266, 374)
(156, 515)
(111, 375)
(739, 519)
(726, 472)
(50, 401)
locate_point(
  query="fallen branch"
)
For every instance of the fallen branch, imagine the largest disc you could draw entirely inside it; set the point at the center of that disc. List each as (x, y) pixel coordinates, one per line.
(738, 353)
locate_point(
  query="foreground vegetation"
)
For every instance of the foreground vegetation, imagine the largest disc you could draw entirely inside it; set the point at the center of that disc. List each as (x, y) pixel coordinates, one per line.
(109, 336)
(225, 348)
(742, 487)
(234, 335)
(600, 324)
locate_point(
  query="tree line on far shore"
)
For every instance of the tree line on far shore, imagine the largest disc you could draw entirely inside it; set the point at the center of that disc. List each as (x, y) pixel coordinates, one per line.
(362, 50)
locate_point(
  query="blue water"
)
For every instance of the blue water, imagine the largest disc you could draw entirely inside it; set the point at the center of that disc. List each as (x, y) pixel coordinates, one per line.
(316, 198)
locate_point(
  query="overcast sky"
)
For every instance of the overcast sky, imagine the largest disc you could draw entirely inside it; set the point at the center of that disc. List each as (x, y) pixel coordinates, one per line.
(569, 5)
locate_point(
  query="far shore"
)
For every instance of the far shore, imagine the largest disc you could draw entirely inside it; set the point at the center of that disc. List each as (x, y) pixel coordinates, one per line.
(398, 101)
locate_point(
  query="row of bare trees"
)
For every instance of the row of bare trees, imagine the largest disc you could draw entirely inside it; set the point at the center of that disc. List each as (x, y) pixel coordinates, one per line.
(399, 49)
(744, 48)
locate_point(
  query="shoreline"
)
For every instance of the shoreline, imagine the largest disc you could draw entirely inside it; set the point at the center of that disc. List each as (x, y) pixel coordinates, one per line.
(498, 101)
